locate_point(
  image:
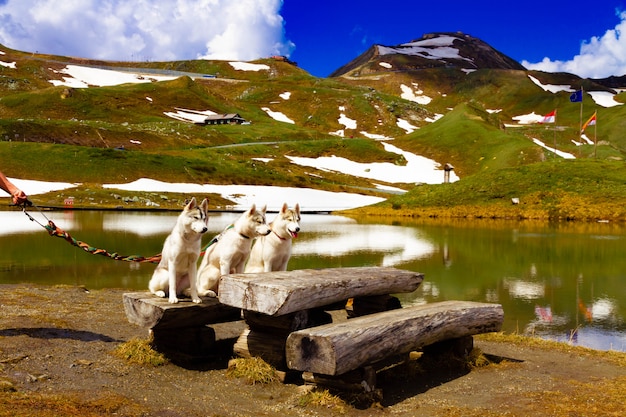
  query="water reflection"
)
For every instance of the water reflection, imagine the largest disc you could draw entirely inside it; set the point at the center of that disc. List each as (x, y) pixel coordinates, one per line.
(337, 236)
(559, 281)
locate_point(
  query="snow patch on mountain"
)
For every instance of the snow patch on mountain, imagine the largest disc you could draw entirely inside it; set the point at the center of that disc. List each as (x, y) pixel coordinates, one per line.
(418, 169)
(604, 98)
(83, 77)
(11, 65)
(414, 94)
(278, 116)
(408, 127)
(193, 116)
(526, 119)
(551, 88)
(440, 47)
(346, 121)
(247, 66)
(375, 136)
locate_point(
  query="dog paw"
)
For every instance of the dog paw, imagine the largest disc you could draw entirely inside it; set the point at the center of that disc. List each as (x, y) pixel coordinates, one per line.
(197, 300)
(160, 294)
(173, 300)
(207, 293)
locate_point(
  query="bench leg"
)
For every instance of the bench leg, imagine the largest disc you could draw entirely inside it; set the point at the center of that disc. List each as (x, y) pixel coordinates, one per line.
(189, 342)
(359, 380)
(460, 347)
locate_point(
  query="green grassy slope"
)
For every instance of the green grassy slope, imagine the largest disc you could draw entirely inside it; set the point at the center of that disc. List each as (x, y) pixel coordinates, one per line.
(69, 134)
(586, 189)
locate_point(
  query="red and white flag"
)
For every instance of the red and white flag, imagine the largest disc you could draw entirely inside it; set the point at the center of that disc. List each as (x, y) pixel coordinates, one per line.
(550, 117)
(590, 122)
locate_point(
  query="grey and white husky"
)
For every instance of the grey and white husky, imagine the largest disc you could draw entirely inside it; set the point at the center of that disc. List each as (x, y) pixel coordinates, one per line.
(272, 252)
(230, 250)
(177, 270)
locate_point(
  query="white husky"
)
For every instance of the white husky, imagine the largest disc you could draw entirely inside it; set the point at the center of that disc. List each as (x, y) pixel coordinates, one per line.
(272, 252)
(178, 267)
(230, 250)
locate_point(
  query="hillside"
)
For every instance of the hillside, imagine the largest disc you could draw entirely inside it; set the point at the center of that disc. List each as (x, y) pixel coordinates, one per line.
(447, 97)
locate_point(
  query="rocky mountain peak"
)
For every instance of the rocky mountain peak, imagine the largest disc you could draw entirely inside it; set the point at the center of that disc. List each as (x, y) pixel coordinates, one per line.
(433, 50)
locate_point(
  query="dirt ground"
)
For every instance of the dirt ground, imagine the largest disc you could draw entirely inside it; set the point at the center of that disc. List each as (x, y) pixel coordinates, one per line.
(57, 342)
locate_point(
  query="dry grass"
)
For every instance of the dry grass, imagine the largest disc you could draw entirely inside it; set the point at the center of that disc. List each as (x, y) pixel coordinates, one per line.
(619, 358)
(323, 398)
(604, 397)
(252, 370)
(43, 405)
(140, 352)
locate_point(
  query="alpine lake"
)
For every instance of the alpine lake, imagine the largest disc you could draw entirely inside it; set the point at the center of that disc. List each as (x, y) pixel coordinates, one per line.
(559, 281)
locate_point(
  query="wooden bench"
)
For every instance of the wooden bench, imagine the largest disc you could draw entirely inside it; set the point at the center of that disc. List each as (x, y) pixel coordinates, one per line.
(288, 324)
(180, 330)
(338, 348)
(297, 320)
(275, 304)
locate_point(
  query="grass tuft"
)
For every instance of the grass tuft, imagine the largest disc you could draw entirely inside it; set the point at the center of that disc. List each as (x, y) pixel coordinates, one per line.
(323, 398)
(254, 370)
(140, 352)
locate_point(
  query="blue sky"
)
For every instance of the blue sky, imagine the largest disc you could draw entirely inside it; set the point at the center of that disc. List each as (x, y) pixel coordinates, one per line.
(525, 31)
(587, 38)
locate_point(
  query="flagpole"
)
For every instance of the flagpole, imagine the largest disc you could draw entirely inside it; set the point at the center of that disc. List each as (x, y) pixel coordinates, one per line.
(554, 130)
(595, 136)
(580, 123)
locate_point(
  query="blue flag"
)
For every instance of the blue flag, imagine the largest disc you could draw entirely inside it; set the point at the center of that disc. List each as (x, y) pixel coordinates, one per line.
(576, 96)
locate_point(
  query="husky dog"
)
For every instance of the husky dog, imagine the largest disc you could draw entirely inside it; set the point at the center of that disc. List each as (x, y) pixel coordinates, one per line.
(272, 252)
(228, 252)
(178, 267)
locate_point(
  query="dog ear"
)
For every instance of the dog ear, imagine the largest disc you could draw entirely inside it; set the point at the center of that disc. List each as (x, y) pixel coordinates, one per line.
(205, 204)
(191, 204)
(283, 210)
(297, 208)
(252, 210)
(264, 209)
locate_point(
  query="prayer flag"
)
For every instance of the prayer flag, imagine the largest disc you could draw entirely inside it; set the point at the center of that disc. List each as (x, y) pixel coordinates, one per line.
(550, 117)
(576, 96)
(590, 122)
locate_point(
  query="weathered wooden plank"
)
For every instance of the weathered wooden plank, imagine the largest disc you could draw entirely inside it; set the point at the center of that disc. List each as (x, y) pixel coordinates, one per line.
(147, 310)
(337, 348)
(283, 292)
(267, 346)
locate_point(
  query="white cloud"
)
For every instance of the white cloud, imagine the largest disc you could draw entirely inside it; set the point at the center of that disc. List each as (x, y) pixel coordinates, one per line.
(599, 57)
(146, 30)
